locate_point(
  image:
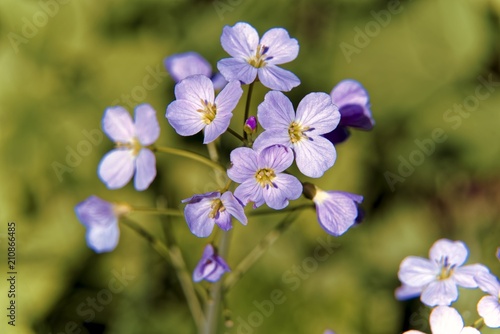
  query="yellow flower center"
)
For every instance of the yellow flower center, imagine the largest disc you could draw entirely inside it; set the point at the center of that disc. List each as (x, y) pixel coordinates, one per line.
(296, 132)
(208, 112)
(216, 207)
(265, 177)
(259, 59)
(446, 269)
(135, 146)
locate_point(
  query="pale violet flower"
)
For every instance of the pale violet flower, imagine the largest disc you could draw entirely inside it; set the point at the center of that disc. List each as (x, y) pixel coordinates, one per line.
(252, 58)
(446, 320)
(210, 267)
(438, 277)
(301, 131)
(131, 153)
(489, 306)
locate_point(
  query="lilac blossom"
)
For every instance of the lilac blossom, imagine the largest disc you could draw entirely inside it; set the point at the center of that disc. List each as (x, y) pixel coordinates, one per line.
(354, 106)
(252, 58)
(489, 306)
(203, 211)
(439, 277)
(262, 178)
(197, 108)
(131, 153)
(183, 65)
(210, 267)
(337, 211)
(101, 220)
(301, 131)
(446, 320)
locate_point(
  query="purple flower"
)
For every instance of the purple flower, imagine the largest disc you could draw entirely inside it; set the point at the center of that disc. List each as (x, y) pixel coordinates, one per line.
(131, 138)
(196, 108)
(250, 126)
(183, 65)
(101, 220)
(446, 320)
(489, 306)
(211, 266)
(301, 131)
(337, 211)
(252, 58)
(328, 331)
(354, 105)
(203, 211)
(438, 277)
(261, 177)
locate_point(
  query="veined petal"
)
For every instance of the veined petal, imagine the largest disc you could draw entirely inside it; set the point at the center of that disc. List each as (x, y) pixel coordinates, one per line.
(224, 221)
(103, 238)
(440, 292)
(464, 276)
(250, 191)
(118, 125)
(282, 48)
(417, 272)
(275, 112)
(454, 251)
(183, 65)
(237, 69)
(116, 168)
(195, 89)
(219, 81)
(183, 117)
(276, 157)
(445, 320)
(95, 212)
(145, 169)
(488, 283)
(198, 219)
(317, 111)
(272, 137)
(147, 128)
(314, 156)
(217, 127)
(489, 308)
(219, 270)
(286, 187)
(349, 92)
(234, 207)
(276, 78)
(240, 40)
(244, 164)
(336, 212)
(228, 98)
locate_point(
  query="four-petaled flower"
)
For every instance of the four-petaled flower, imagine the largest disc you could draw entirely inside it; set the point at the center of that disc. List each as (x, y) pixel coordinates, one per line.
(205, 210)
(489, 306)
(354, 106)
(210, 267)
(182, 65)
(131, 138)
(196, 107)
(261, 177)
(316, 115)
(252, 58)
(446, 320)
(101, 220)
(438, 278)
(337, 211)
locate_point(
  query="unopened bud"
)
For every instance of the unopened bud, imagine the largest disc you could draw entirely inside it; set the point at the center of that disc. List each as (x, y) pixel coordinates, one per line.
(250, 125)
(309, 190)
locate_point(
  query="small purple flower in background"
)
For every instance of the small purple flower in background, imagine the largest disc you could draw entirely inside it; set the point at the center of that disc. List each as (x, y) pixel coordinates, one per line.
(131, 138)
(337, 211)
(301, 131)
(328, 331)
(439, 277)
(498, 253)
(446, 320)
(182, 65)
(101, 220)
(196, 107)
(211, 266)
(489, 306)
(252, 58)
(354, 105)
(203, 211)
(261, 177)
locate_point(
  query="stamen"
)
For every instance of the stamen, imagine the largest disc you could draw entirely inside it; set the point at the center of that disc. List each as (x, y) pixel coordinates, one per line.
(259, 59)
(265, 177)
(297, 132)
(135, 146)
(216, 207)
(208, 112)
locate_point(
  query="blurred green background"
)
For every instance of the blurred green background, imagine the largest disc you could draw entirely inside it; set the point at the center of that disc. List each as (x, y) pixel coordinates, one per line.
(64, 62)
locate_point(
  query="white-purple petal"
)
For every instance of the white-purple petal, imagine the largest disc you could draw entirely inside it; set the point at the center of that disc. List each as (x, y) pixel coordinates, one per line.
(147, 128)
(183, 65)
(272, 137)
(240, 40)
(210, 267)
(145, 172)
(228, 98)
(275, 112)
(439, 292)
(196, 88)
(234, 207)
(488, 283)
(286, 187)
(464, 275)
(282, 48)
(223, 220)
(314, 156)
(417, 272)
(276, 78)
(244, 165)
(276, 157)
(317, 111)
(445, 320)
(219, 81)
(103, 239)
(117, 168)
(217, 127)
(94, 212)
(336, 211)
(118, 125)
(455, 252)
(489, 308)
(405, 292)
(237, 69)
(198, 218)
(250, 191)
(183, 117)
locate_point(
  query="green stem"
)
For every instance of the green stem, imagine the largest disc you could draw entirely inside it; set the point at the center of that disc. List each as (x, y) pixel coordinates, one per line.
(154, 211)
(247, 108)
(190, 155)
(259, 250)
(173, 255)
(478, 324)
(234, 133)
(272, 211)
